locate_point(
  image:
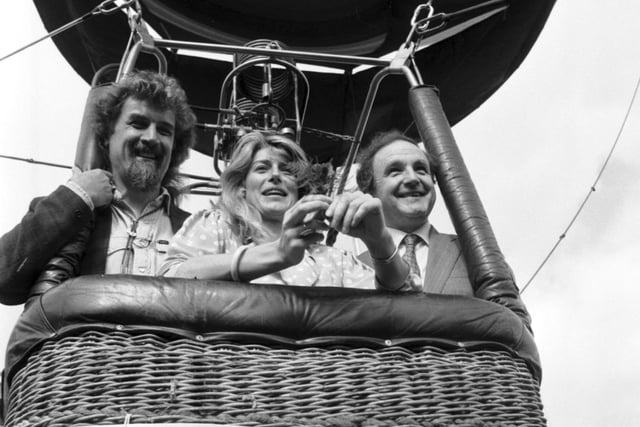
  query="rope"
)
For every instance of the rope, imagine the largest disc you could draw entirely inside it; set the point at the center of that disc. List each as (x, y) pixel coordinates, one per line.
(102, 8)
(57, 165)
(592, 189)
(35, 162)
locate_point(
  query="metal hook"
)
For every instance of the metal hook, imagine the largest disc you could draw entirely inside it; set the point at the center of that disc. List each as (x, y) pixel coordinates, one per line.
(419, 9)
(415, 23)
(423, 26)
(104, 9)
(144, 43)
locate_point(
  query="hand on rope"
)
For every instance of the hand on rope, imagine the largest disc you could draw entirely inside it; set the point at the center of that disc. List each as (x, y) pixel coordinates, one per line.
(97, 184)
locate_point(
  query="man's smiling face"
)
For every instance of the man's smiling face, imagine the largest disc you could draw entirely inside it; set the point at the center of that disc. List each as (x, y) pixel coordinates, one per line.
(403, 182)
(140, 146)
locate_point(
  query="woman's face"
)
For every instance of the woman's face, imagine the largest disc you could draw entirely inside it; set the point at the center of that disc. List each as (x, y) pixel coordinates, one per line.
(271, 185)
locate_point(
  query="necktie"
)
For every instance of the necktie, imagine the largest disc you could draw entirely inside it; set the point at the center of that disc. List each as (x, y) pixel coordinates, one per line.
(409, 257)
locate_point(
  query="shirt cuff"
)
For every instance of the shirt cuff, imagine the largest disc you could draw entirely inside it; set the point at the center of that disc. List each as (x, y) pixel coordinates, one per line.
(80, 192)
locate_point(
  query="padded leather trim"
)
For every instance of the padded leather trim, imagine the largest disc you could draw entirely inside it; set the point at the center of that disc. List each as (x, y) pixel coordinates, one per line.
(295, 314)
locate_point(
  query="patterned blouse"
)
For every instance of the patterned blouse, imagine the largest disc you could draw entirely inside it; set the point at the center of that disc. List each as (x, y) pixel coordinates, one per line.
(207, 232)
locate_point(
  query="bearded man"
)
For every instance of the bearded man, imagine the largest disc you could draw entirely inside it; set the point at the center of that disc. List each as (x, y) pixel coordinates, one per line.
(112, 221)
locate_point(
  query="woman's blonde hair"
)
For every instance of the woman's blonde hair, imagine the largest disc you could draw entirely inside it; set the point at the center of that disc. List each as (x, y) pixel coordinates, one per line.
(245, 219)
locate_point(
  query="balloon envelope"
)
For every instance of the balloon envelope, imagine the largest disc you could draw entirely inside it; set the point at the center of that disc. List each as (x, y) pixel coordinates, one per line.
(467, 68)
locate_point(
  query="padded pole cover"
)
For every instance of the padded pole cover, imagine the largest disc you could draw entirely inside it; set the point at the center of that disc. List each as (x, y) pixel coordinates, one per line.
(66, 263)
(490, 275)
(88, 154)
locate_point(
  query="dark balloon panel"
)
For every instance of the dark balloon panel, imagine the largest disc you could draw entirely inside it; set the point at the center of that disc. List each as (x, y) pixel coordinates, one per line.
(466, 68)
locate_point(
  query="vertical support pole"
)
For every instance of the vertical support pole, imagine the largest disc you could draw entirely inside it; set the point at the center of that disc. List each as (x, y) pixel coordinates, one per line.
(88, 154)
(491, 277)
(66, 263)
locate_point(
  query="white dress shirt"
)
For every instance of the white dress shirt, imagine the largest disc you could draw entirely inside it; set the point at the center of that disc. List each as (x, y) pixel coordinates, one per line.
(422, 246)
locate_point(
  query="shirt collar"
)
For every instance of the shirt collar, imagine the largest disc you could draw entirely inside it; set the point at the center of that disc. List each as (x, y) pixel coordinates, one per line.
(422, 231)
(162, 201)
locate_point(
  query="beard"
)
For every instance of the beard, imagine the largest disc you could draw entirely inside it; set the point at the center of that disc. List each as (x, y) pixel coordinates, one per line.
(144, 175)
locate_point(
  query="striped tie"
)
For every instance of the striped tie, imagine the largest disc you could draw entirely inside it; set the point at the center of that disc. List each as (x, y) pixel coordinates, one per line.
(409, 257)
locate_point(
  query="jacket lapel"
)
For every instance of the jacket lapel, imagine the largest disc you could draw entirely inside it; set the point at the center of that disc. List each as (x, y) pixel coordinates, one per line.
(365, 258)
(176, 216)
(440, 262)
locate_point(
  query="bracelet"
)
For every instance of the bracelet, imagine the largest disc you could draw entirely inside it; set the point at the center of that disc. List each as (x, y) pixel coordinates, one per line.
(386, 260)
(235, 262)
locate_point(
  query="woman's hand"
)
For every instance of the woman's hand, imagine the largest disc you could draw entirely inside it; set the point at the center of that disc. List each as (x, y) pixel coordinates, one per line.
(302, 226)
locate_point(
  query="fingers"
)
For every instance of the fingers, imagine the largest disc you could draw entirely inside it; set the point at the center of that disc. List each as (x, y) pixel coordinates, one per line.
(306, 217)
(353, 213)
(93, 175)
(97, 183)
(336, 212)
(314, 216)
(312, 227)
(320, 197)
(313, 238)
(369, 208)
(305, 209)
(294, 240)
(349, 210)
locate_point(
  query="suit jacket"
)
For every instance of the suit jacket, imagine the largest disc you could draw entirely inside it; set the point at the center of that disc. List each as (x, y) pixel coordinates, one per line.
(446, 272)
(50, 224)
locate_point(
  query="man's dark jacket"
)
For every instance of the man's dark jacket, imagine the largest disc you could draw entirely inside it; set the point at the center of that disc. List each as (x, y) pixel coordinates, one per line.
(50, 224)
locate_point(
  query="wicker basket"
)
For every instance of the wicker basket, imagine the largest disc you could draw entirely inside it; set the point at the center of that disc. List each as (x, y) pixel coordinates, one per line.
(103, 374)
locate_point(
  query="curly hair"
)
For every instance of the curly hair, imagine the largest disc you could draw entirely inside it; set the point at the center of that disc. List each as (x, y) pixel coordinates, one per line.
(245, 220)
(159, 91)
(364, 176)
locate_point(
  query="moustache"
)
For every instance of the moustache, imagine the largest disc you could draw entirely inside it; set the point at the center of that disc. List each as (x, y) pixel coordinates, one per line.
(147, 149)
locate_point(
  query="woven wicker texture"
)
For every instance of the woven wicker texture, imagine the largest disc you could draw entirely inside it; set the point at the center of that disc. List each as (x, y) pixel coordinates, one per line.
(101, 378)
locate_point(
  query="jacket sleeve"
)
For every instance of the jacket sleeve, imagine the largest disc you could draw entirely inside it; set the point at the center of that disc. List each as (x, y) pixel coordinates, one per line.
(50, 223)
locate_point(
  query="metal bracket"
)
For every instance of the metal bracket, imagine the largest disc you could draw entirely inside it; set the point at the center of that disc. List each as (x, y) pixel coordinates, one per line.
(144, 42)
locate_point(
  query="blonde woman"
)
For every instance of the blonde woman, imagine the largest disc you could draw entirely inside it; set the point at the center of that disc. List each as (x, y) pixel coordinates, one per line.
(267, 231)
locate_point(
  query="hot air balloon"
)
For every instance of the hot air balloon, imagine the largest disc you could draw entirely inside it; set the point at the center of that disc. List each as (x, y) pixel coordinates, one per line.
(329, 73)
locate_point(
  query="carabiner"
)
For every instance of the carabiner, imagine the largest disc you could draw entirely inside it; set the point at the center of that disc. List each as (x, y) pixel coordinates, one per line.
(419, 9)
(103, 8)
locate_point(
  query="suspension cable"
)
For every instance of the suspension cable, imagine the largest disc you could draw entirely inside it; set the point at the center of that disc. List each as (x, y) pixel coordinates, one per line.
(57, 165)
(35, 162)
(103, 8)
(592, 189)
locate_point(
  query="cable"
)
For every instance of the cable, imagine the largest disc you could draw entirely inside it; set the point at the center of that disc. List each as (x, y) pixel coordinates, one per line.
(102, 8)
(591, 190)
(36, 162)
(57, 165)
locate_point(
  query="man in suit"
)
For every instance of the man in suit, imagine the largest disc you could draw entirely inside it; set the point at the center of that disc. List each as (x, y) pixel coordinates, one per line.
(117, 220)
(397, 171)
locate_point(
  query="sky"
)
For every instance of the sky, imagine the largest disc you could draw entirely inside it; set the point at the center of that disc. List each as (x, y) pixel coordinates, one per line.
(534, 150)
